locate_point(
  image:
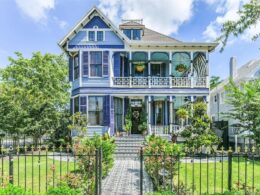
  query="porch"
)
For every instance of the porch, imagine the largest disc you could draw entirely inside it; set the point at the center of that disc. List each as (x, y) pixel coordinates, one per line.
(159, 111)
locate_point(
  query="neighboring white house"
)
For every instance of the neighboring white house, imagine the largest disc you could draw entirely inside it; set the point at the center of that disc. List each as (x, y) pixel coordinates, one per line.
(218, 105)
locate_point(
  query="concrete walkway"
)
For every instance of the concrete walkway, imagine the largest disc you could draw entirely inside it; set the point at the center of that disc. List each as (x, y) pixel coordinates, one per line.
(124, 179)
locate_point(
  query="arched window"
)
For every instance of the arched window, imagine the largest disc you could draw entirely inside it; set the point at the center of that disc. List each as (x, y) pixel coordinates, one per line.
(180, 64)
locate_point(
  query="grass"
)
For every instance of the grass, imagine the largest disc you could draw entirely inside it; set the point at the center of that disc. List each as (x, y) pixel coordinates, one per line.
(37, 172)
(204, 175)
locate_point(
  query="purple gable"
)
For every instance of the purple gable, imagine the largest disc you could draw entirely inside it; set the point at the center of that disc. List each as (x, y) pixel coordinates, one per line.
(96, 21)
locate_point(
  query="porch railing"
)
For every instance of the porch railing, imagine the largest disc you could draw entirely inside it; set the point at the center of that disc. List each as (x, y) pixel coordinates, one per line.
(155, 82)
(165, 129)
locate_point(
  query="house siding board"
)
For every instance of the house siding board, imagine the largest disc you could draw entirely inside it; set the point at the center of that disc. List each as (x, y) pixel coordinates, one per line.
(96, 21)
(117, 64)
(95, 82)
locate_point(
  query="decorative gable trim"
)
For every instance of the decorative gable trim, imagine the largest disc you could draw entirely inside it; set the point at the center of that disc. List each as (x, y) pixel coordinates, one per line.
(80, 25)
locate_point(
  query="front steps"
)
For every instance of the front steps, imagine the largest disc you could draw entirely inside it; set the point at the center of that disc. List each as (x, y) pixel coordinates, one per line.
(128, 147)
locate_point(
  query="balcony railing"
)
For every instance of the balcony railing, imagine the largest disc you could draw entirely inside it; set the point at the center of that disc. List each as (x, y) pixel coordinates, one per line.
(165, 129)
(157, 82)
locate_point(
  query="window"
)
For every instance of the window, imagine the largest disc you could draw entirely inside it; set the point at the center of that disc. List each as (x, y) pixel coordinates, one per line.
(215, 98)
(76, 104)
(96, 64)
(136, 34)
(91, 36)
(127, 33)
(95, 111)
(83, 105)
(76, 67)
(100, 36)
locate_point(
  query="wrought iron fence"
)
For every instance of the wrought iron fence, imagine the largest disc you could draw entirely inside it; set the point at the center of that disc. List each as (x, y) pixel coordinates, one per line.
(37, 169)
(202, 172)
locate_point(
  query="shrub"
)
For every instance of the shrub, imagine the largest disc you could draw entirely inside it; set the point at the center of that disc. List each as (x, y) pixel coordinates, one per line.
(14, 190)
(85, 149)
(160, 156)
(63, 190)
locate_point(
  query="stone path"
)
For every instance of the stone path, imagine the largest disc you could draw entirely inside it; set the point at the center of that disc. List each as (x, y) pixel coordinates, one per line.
(124, 179)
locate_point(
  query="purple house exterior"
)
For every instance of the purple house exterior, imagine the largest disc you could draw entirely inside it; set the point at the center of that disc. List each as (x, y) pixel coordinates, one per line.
(131, 67)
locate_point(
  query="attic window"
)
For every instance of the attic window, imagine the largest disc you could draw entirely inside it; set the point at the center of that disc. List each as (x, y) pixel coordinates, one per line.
(95, 27)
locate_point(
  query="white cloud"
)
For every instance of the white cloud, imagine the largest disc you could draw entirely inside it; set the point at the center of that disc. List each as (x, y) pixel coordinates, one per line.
(164, 16)
(227, 10)
(61, 23)
(36, 9)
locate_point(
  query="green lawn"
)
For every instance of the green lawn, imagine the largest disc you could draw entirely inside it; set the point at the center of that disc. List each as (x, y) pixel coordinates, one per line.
(37, 172)
(204, 175)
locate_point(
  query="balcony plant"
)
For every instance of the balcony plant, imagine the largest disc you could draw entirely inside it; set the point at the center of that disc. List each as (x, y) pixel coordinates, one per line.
(139, 67)
(181, 68)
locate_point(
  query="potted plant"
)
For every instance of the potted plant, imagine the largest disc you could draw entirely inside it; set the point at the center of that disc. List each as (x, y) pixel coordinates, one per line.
(139, 67)
(128, 121)
(142, 127)
(181, 68)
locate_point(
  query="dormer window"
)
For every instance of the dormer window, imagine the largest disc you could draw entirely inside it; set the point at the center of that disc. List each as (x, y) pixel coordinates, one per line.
(91, 36)
(136, 34)
(133, 34)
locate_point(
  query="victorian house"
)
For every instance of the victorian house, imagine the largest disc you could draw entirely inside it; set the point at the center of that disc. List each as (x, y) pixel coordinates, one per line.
(113, 69)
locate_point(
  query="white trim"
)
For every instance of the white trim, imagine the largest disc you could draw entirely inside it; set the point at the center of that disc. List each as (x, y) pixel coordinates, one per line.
(80, 68)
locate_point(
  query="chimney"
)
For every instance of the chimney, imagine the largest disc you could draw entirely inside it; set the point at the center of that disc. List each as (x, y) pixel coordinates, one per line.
(233, 67)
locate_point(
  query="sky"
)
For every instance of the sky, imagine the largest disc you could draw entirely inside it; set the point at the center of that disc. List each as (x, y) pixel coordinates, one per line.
(28, 26)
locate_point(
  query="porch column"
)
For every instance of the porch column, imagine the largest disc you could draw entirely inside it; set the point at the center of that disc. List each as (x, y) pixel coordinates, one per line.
(170, 69)
(112, 116)
(111, 68)
(171, 113)
(149, 69)
(191, 69)
(130, 69)
(149, 114)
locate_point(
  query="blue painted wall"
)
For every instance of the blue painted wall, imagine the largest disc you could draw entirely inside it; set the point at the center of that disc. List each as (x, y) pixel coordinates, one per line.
(96, 21)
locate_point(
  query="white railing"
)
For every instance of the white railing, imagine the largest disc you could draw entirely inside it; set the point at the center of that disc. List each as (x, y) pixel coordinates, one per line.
(181, 82)
(155, 82)
(200, 82)
(160, 129)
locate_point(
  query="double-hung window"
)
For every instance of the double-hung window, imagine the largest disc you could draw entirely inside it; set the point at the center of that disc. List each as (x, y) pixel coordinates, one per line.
(76, 67)
(83, 104)
(96, 64)
(91, 35)
(76, 104)
(100, 35)
(95, 110)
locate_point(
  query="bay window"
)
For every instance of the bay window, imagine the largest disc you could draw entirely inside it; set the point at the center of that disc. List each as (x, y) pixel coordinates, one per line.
(83, 104)
(96, 64)
(95, 110)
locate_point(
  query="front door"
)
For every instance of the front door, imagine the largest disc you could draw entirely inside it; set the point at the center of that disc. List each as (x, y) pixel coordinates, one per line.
(136, 111)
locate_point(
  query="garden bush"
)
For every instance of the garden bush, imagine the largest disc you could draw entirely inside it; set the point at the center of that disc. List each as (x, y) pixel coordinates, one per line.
(85, 149)
(14, 190)
(63, 190)
(161, 156)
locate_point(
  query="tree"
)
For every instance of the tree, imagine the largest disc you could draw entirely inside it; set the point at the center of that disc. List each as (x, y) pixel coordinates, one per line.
(182, 114)
(199, 134)
(35, 95)
(78, 123)
(249, 16)
(245, 106)
(214, 81)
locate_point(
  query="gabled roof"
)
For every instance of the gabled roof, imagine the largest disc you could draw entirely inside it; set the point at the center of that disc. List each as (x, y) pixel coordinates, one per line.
(86, 19)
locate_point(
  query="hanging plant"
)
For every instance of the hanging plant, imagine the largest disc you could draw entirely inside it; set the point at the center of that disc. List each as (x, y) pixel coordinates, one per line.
(181, 68)
(139, 67)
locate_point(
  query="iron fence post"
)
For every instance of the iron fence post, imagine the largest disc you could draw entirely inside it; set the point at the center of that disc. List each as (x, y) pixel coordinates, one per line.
(230, 169)
(96, 173)
(141, 171)
(11, 167)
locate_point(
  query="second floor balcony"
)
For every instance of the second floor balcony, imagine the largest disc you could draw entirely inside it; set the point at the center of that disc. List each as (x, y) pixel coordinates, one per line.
(160, 82)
